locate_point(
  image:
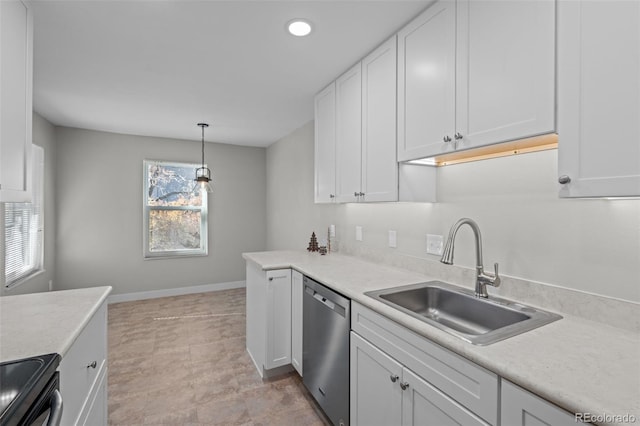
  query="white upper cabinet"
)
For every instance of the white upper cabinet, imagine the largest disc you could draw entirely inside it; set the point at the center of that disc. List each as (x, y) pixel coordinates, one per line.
(325, 145)
(349, 134)
(16, 82)
(473, 73)
(362, 153)
(599, 98)
(426, 82)
(379, 165)
(505, 85)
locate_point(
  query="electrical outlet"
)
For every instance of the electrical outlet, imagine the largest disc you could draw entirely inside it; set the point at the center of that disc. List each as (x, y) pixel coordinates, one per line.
(393, 241)
(358, 233)
(435, 244)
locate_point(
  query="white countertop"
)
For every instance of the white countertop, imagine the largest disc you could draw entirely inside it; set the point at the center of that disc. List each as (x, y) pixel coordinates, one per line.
(580, 365)
(42, 323)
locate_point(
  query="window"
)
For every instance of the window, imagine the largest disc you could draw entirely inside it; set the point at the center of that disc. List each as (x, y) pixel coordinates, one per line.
(175, 216)
(23, 230)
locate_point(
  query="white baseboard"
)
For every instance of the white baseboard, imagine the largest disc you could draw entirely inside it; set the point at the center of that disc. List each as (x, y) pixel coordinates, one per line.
(153, 294)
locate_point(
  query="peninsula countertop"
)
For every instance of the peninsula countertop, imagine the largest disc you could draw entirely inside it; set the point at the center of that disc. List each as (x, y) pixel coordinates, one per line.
(580, 365)
(49, 322)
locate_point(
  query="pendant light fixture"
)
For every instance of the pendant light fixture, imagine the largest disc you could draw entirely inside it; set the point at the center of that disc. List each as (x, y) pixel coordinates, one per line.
(203, 174)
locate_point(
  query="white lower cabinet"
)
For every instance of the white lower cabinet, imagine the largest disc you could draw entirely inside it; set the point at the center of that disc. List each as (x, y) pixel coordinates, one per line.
(394, 370)
(520, 408)
(83, 375)
(384, 392)
(375, 394)
(268, 317)
(297, 290)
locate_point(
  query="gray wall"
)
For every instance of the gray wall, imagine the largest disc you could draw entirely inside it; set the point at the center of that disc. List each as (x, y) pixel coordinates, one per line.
(589, 245)
(291, 212)
(44, 136)
(99, 199)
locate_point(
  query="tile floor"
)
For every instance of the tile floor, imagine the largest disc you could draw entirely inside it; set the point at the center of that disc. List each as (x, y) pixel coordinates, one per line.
(182, 361)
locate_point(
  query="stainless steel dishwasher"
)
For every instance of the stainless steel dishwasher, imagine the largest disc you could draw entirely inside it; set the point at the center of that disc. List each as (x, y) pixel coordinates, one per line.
(325, 349)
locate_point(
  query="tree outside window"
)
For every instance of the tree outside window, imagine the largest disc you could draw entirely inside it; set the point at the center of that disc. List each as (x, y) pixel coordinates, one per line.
(175, 214)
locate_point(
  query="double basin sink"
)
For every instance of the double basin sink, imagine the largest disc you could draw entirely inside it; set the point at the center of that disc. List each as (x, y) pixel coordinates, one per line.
(459, 312)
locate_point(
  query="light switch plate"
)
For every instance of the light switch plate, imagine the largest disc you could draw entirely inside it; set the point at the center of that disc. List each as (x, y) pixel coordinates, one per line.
(435, 244)
(393, 241)
(332, 230)
(358, 233)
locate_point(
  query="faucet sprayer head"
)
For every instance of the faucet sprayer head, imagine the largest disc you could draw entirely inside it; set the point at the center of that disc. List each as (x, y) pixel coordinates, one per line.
(447, 253)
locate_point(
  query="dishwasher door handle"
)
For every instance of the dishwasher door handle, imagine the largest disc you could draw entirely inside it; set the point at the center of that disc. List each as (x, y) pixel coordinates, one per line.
(325, 301)
(337, 308)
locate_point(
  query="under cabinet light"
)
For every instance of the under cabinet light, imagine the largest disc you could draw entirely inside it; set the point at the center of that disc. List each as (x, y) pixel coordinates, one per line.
(522, 146)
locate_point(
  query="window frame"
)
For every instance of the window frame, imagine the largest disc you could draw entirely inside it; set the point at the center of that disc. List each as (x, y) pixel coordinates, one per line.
(36, 183)
(146, 211)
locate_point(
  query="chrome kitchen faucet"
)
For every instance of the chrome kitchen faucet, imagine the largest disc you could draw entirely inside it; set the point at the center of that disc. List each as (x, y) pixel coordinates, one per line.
(482, 278)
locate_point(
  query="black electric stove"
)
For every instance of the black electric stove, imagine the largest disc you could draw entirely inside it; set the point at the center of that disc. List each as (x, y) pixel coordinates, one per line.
(25, 387)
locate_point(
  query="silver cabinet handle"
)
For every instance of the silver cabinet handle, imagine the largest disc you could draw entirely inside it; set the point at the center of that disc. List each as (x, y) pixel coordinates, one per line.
(404, 385)
(361, 194)
(277, 278)
(94, 364)
(332, 196)
(356, 194)
(447, 138)
(458, 136)
(564, 179)
(394, 378)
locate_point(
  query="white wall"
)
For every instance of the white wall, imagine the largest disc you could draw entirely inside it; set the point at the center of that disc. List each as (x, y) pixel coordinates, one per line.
(291, 212)
(44, 136)
(99, 198)
(588, 245)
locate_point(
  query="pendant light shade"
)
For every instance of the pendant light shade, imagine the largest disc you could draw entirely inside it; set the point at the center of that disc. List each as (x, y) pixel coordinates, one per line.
(203, 174)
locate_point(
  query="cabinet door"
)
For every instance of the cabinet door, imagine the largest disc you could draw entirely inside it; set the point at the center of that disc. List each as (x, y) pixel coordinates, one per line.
(95, 411)
(599, 98)
(82, 367)
(256, 338)
(426, 82)
(348, 134)
(297, 290)
(424, 405)
(379, 85)
(325, 145)
(520, 408)
(375, 394)
(16, 68)
(278, 350)
(505, 85)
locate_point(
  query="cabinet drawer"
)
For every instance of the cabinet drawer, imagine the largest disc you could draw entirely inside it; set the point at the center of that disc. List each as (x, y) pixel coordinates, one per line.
(78, 373)
(469, 384)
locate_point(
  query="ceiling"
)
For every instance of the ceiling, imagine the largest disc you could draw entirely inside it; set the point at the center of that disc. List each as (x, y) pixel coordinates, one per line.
(157, 68)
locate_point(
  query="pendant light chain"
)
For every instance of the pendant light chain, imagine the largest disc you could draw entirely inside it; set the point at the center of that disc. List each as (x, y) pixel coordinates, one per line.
(202, 145)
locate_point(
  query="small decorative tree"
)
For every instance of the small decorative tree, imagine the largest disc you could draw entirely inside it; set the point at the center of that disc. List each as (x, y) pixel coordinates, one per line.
(313, 243)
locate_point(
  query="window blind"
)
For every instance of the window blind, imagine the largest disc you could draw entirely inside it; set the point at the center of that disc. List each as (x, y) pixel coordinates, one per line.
(23, 229)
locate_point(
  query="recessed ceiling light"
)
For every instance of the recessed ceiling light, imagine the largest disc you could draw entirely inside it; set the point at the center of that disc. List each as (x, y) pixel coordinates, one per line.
(299, 27)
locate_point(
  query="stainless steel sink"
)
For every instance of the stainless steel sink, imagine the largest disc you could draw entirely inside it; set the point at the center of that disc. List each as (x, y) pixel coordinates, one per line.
(459, 312)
